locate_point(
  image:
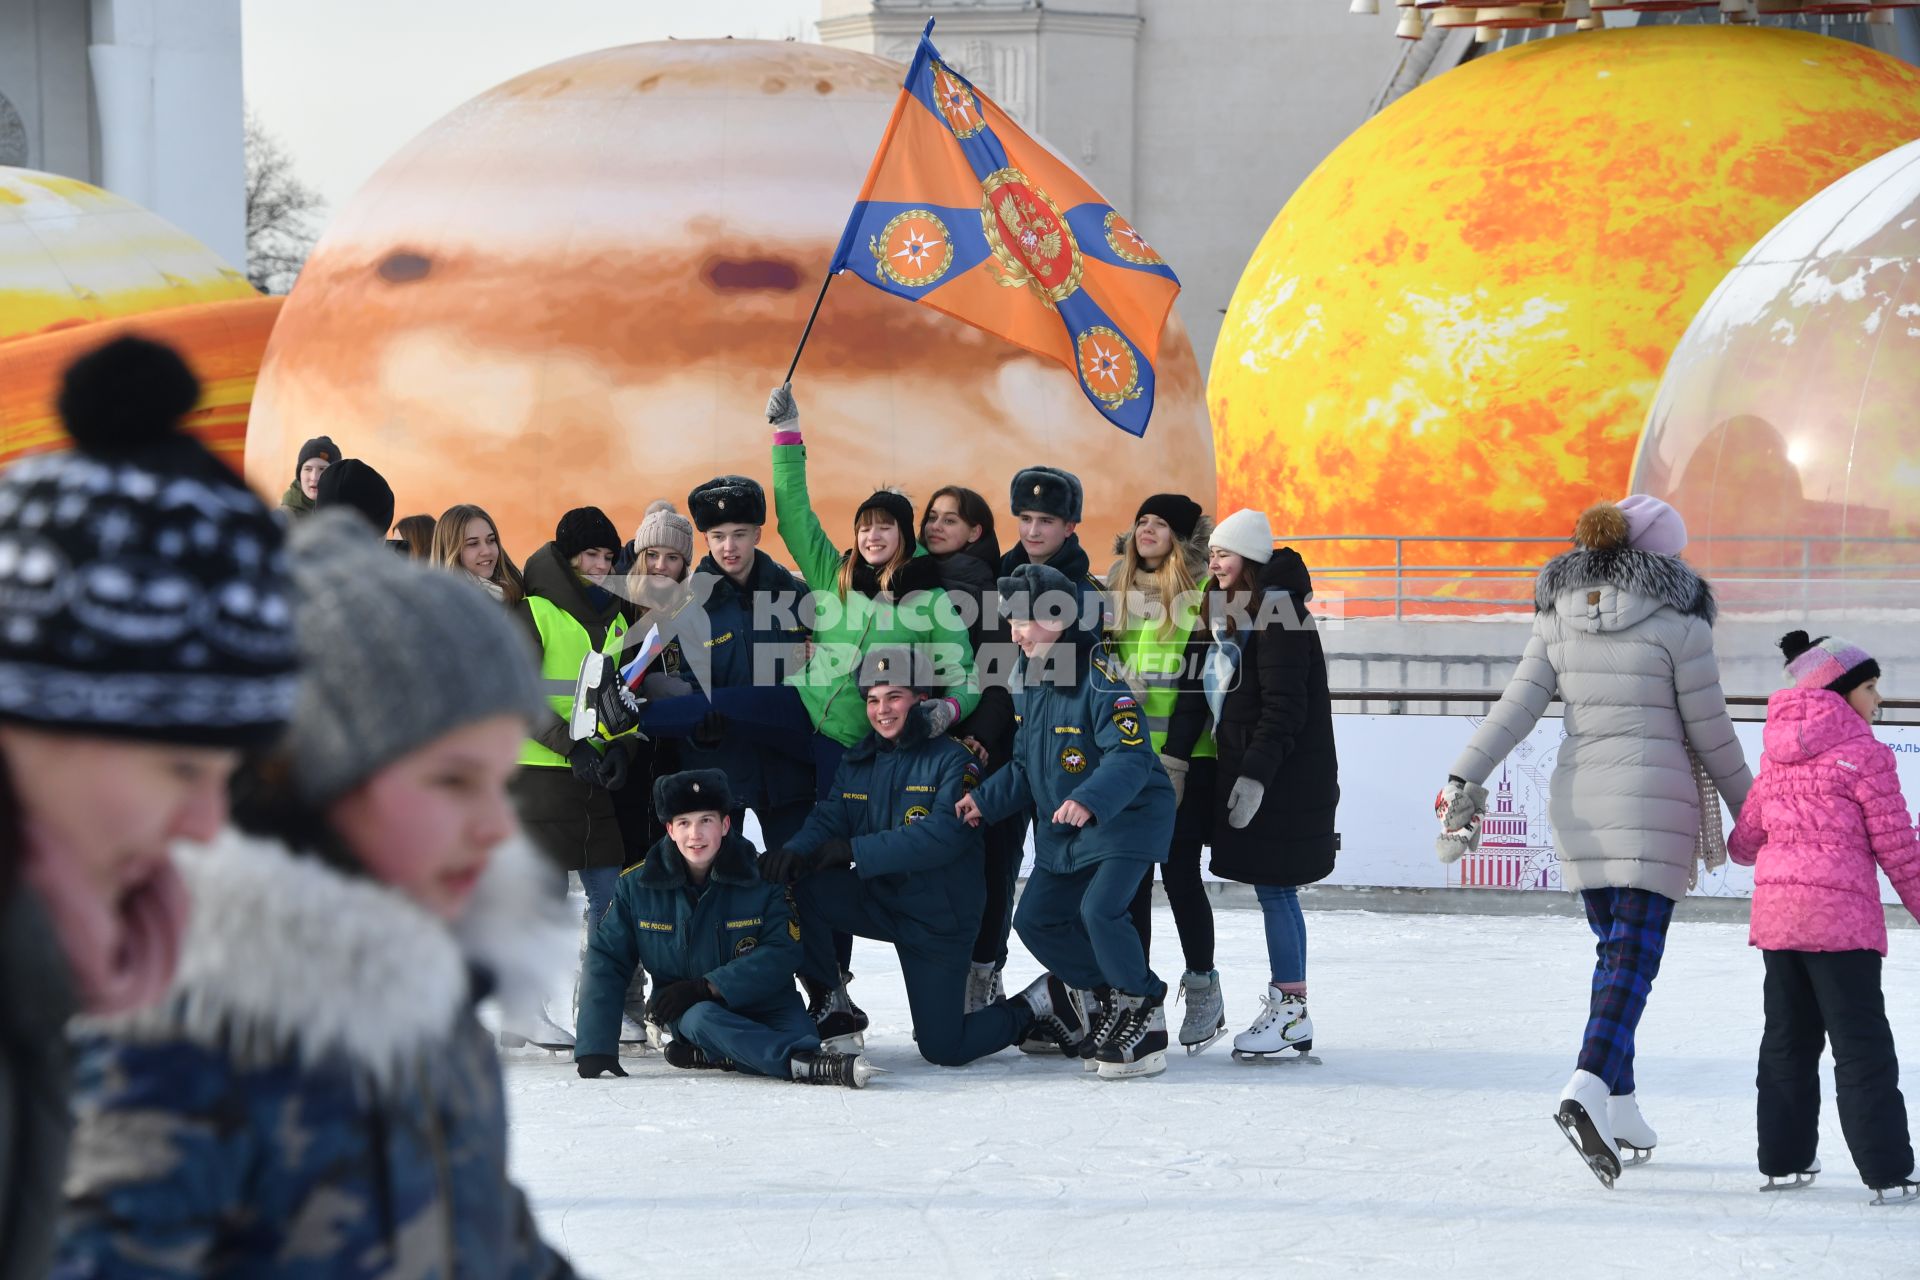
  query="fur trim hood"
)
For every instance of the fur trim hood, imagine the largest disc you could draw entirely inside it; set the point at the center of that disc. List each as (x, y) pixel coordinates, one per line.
(1651, 579)
(288, 956)
(1192, 548)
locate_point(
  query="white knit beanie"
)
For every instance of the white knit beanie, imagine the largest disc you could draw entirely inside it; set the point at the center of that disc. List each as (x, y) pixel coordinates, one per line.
(1245, 533)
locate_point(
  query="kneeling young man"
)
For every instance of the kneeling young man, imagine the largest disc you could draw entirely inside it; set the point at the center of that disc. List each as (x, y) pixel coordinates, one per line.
(1102, 810)
(722, 946)
(884, 856)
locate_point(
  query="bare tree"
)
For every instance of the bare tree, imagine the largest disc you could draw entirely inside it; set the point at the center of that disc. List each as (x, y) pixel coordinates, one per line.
(280, 212)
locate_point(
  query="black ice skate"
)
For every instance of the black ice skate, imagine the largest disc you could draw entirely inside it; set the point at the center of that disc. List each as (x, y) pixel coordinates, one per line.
(602, 704)
(688, 1056)
(1103, 1019)
(1059, 1020)
(1893, 1194)
(1138, 1046)
(840, 1023)
(1798, 1181)
(849, 1071)
(1583, 1117)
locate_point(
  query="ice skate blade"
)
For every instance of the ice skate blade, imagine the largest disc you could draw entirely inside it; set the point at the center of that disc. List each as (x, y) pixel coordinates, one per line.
(1204, 1045)
(1146, 1068)
(1043, 1048)
(1906, 1195)
(1639, 1156)
(1790, 1182)
(1585, 1139)
(849, 1044)
(1292, 1055)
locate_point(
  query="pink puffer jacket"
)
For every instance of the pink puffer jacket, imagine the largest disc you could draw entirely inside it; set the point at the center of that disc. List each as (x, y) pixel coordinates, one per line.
(1825, 809)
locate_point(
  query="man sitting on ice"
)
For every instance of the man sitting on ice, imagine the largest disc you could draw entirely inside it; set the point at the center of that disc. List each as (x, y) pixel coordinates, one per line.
(721, 944)
(884, 856)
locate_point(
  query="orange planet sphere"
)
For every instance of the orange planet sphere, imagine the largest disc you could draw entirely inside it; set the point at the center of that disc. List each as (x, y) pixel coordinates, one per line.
(578, 287)
(1457, 324)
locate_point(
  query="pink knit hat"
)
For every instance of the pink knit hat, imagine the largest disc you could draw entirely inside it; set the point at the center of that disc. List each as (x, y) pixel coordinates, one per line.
(1827, 663)
(1653, 526)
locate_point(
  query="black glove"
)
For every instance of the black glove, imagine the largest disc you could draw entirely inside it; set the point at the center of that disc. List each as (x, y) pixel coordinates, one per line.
(585, 761)
(614, 767)
(783, 866)
(595, 1065)
(712, 731)
(672, 1001)
(833, 855)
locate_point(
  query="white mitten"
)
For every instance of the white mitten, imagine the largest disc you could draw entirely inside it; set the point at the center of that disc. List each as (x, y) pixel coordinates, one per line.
(781, 408)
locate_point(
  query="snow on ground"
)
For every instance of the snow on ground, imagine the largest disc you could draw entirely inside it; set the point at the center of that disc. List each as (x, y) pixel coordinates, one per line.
(1423, 1145)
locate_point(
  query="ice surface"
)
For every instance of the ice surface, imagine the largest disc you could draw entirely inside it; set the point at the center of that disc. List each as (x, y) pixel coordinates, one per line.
(1423, 1145)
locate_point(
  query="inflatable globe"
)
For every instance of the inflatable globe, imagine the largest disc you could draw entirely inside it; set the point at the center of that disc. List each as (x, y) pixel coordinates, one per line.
(578, 287)
(78, 266)
(1456, 326)
(1785, 429)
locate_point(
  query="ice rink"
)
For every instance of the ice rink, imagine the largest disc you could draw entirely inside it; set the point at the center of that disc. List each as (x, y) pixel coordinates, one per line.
(1423, 1145)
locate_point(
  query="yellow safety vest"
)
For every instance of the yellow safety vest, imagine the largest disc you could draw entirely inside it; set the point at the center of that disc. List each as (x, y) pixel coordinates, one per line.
(1157, 663)
(564, 645)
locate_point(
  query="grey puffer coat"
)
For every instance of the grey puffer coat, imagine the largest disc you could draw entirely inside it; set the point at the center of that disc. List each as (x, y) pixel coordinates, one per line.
(1625, 639)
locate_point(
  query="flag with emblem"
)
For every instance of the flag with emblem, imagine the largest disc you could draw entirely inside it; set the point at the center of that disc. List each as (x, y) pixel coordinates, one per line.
(963, 212)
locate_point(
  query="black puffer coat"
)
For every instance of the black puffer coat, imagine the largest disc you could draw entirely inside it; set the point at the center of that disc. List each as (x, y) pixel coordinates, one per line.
(973, 572)
(36, 999)
(1276, 727)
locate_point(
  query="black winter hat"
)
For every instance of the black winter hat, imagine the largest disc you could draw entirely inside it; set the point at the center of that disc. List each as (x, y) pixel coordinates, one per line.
(353, 484)
(895, 504)
(582, 529)
(695, 791)
(1040, 592)
(318, 447)
(898, 667)
(1048, 490)
(142, 585)
(727, 500)
(1180, 512)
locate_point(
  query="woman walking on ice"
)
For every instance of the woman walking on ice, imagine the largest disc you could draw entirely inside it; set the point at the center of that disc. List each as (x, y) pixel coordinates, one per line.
(1623, 635)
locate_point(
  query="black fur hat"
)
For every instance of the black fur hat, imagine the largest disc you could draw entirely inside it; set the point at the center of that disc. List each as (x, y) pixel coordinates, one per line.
(1039, 591)
(727, 500)
(695, 791)
(1048, 490)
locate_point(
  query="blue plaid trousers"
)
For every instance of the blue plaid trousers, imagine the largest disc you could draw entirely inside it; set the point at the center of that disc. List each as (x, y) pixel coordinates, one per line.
(1631, 928)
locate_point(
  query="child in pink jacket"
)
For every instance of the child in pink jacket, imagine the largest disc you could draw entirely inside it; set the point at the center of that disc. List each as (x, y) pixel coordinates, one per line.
(1824, 812)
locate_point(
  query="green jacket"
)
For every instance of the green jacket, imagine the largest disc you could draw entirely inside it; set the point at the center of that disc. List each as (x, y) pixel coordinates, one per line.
(739, 933)
(846, 630)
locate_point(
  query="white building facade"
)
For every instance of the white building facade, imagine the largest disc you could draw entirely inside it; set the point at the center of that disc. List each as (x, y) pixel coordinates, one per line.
(142, 97)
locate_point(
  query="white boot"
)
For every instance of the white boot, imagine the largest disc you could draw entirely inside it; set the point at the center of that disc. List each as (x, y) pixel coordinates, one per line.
(1631, 1132)
(1283, 1023)
(1583, 1117)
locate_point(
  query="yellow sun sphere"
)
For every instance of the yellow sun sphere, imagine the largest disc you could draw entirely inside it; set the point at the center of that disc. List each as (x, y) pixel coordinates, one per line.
(1456, 325)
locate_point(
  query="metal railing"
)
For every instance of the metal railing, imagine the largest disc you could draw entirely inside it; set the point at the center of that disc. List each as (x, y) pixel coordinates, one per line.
(1810, 572)
(1743, 706)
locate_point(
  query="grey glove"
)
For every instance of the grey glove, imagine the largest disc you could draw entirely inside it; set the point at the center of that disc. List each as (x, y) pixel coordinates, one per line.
(780, 406)
(1177, 775)
(940, 714)
(1244, 801)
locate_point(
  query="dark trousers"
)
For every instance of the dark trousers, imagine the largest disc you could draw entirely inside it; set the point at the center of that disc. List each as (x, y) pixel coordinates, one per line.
(762, 1042)
(1630, 926)
(1813, 997)
(933, 968)
(1006, 843)
(827, 755)
(778, 826)
(1076, 924)
(1187, 896)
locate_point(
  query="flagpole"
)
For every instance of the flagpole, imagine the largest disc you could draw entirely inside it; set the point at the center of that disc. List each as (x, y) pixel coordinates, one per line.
(808, 331)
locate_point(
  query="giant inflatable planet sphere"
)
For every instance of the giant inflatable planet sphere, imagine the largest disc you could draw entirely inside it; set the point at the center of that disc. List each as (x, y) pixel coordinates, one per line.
(578, 288)
(1786, 428)
(79, 266)
(1457, 324)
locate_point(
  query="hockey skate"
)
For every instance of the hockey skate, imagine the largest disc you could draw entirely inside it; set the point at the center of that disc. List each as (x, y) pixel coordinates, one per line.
(1206, 1019)
(984, 987)
(1904, 1192)
(1059, 1020)
(1103, 1019)
(1632, 1135)
(849, 1071)
(1282, 1032)
(632, 1033)
(1582, 1116)
(685, 1055)
(841, 1024)
(1793, 1181)
(603, 706)
(1137, 1047)
(550, 1033)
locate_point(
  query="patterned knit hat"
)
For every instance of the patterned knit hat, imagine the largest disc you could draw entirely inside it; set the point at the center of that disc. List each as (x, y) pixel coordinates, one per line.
(1827, 663)
(142, 585)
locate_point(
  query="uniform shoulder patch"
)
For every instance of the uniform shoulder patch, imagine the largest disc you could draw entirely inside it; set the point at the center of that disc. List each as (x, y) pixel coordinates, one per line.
(793, 915)
(635, 867)
(1127, 721)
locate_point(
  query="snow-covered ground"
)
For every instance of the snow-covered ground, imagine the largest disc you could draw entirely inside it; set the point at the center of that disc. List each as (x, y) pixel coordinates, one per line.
(1422, 1145)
